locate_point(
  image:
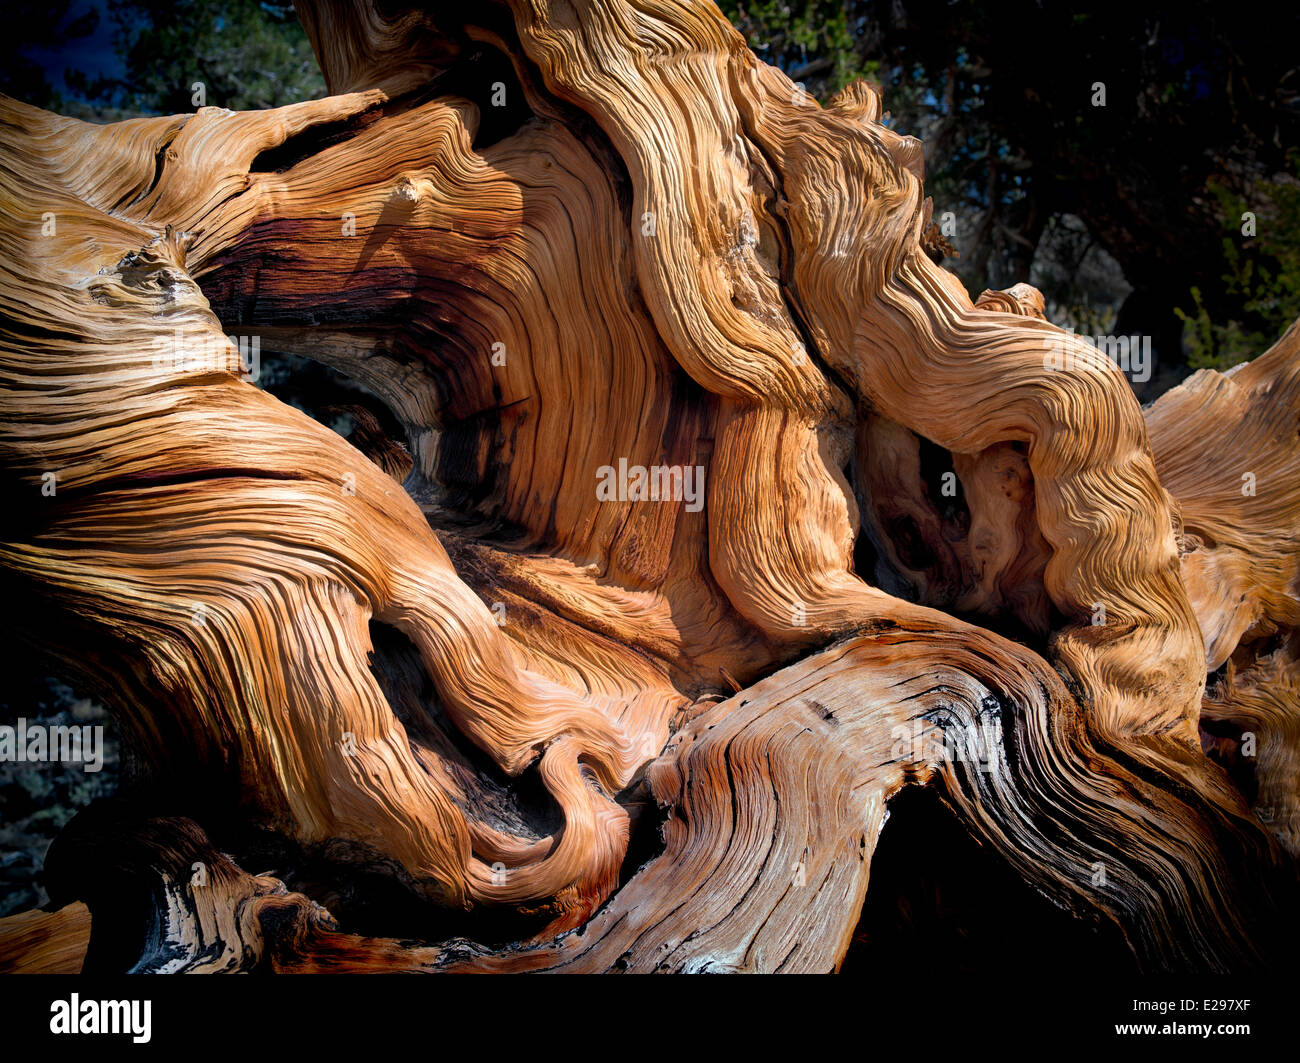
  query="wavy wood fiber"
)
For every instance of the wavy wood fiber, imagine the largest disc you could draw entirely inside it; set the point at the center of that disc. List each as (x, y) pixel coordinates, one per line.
(460, 663)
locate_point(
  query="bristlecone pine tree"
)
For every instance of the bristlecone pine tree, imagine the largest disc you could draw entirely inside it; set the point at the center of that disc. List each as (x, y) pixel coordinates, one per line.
(722, 515)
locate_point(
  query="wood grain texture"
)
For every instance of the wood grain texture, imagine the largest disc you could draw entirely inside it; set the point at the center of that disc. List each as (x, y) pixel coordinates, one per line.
(455, 657)
(41, 942)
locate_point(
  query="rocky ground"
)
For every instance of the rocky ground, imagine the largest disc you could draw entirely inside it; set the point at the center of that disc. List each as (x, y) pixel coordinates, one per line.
(36, 800)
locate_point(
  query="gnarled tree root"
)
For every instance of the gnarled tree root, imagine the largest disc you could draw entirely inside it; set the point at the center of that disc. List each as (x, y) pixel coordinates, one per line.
(658, 256)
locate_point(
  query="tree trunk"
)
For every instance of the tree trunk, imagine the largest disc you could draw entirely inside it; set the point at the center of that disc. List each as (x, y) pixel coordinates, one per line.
(723, 515)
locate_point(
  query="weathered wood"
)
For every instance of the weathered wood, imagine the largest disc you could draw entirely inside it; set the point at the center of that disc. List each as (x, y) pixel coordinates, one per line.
(659, 254)
(40, 942)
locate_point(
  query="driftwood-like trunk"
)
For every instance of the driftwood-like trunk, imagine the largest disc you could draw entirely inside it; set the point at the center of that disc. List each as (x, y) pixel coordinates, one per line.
(903, 539)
